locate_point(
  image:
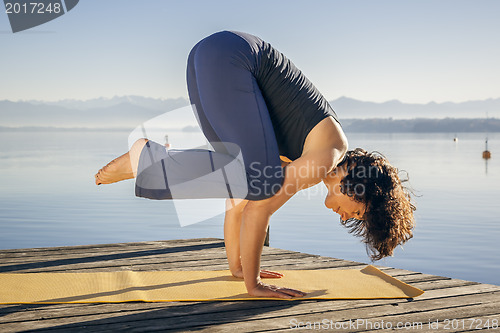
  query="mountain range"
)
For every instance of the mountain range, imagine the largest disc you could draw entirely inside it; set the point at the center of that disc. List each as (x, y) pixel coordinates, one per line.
(129, 111)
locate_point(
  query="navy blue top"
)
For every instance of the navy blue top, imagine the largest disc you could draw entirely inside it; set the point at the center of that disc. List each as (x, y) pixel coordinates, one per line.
(294, 103)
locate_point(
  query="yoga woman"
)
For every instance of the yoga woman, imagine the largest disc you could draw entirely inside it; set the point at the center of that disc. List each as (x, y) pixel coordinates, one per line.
(247, 93)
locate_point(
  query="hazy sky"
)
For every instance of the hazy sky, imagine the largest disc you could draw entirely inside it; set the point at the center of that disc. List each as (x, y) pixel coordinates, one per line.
(415, 51)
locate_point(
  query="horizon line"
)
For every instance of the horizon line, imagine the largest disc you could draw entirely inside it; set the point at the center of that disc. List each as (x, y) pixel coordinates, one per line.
(187, 100)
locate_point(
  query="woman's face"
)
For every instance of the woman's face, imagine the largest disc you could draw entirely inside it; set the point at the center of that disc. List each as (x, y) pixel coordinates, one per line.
(340, 203)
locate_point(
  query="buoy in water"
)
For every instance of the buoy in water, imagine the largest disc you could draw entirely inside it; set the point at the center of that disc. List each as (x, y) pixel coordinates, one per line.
(486, 152)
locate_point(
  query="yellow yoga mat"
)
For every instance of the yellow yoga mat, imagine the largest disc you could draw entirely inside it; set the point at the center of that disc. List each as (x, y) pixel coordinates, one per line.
(165, 286)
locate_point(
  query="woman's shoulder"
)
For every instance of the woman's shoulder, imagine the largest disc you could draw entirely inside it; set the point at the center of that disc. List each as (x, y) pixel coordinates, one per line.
(327, 134)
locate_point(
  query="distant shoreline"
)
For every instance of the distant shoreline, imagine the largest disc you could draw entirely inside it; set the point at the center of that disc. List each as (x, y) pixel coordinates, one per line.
(372, 125)
(422, 125)
(60, 129)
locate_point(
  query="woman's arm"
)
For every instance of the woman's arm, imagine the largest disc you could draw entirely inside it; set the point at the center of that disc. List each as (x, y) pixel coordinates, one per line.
(302, 173)
(232, 226)
(325, 147)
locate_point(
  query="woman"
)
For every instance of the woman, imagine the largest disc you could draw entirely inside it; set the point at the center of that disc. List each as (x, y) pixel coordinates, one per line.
(247, 93)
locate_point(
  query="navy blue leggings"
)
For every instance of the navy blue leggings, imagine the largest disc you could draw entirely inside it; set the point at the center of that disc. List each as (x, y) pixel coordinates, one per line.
(230, 109)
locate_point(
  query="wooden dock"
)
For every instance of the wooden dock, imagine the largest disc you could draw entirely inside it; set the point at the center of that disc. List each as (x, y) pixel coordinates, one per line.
(449, 305)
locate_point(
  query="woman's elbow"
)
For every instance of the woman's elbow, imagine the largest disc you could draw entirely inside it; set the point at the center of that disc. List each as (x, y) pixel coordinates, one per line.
(343, 144)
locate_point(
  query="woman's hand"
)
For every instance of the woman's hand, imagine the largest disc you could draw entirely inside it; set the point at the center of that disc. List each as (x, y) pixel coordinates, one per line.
(263, 274)
(267, 290)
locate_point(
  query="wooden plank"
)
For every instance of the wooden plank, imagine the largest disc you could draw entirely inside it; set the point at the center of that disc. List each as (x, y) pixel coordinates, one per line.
(157, 263)
(443, 316)
(288, 261)
(471, 324)
(131, 259)
(104, 247)
(141, 255)
(131, 252)
(155, 249)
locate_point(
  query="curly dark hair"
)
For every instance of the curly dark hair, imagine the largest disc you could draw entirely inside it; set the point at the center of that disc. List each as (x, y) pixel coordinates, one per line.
(388, 220)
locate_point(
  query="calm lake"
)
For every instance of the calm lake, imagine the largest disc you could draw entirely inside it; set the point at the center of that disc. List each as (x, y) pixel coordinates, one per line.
(48, 198)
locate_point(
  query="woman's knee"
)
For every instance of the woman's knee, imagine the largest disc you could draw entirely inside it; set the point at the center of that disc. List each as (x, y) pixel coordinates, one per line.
(236, 205)
(135, 153)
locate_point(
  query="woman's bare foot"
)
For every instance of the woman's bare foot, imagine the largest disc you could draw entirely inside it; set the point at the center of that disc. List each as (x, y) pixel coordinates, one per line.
(118, 169)
(123, 167)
